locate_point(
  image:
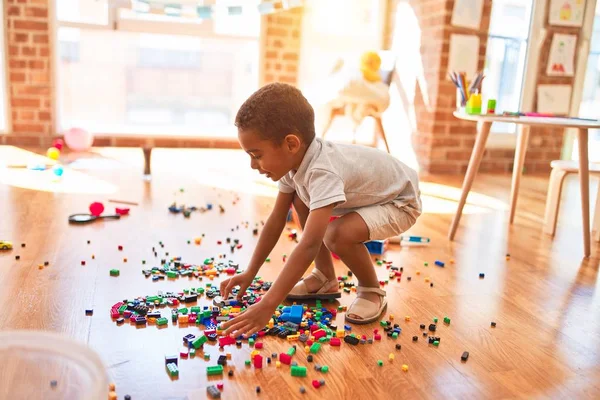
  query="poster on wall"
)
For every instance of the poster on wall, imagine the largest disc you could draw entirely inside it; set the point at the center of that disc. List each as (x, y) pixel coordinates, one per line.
(467, 13)
(562, 55)
(566, 12)
(464, 54)
(554, 99)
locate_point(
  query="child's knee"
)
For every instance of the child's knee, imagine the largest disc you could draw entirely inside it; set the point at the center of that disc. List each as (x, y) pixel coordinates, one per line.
(335, 238)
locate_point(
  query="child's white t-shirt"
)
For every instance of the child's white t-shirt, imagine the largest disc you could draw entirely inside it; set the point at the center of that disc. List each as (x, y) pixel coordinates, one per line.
(353, 176)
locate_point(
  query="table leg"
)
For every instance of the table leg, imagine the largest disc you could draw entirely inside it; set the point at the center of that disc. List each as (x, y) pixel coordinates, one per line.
(584, 183)
(147, 160)
(522, 142)
(483, 131)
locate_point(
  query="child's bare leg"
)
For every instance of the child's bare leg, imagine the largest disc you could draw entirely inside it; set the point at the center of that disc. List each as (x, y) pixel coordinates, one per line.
(345, 237)
(323, 261)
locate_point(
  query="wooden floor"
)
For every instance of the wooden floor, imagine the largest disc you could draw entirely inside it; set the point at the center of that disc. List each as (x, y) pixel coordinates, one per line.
(545, 299)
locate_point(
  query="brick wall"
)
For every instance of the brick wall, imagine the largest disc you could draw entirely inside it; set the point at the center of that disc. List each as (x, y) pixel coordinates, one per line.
(281, 47)
(442, 143)
(30, 73)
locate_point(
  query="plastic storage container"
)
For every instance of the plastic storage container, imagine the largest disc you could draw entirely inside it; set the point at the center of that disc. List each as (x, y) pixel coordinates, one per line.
(45, 365)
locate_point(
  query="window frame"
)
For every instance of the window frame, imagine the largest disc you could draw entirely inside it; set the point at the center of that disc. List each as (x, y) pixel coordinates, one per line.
(7, 128)
(508, 141)
(116, 23)
(582, 55)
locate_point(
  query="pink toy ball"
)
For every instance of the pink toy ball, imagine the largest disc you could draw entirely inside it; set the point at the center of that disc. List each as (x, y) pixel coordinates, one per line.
(58, 143)
(96, 209)
(79, 139)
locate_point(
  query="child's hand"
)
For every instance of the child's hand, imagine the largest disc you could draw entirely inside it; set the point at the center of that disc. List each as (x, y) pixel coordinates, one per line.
(250, 321)
(243, 280)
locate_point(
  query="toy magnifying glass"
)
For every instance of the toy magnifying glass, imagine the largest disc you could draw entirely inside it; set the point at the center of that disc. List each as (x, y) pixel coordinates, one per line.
(85, 218)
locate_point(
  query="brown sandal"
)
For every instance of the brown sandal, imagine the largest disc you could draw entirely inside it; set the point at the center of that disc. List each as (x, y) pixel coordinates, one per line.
(300, 292)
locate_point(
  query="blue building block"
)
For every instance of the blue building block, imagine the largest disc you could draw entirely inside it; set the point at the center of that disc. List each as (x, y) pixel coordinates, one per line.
(292, 314)
(439, 263)
(376, 247)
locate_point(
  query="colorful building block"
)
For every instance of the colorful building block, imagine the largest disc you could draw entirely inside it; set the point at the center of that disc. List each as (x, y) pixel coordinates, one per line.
(292, 314)
(258, 361)
(285, 358)
(298, 371)
(214, 370)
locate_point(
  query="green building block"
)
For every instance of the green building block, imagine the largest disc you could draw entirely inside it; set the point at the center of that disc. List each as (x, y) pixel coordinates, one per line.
(268, 259)
(395, 335)
(251, 342)
(298, 371)
(247, 362)
(192, 352)
(379, 262)
(215, 370)
(162, 321)
(435, 320)
(172, 369)
(152, 298)
(426, 264)
(324, 368)
(122, 309)
(446, 320)
(380, 363)
(198, 342)
(115, 272)
(291, 351)
(195, 309)
(200, 290)
(206, 356)
(436, 343)
(183, 310)
(171, 274)
(315, 348)
(323, 339)
(383, 323)
(209, 285)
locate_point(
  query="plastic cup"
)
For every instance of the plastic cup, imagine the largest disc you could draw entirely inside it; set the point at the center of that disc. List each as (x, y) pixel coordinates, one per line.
(46, 365)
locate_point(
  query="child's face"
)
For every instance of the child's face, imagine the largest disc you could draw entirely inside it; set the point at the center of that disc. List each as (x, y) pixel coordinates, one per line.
(269, 158)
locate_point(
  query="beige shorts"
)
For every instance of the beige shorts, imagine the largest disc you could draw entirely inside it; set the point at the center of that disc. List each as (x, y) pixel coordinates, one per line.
(388, 220)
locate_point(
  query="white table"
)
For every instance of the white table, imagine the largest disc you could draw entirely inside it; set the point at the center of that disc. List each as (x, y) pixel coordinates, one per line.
(484, 123)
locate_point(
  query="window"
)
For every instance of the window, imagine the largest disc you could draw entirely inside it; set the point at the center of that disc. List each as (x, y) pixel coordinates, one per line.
(505, 56)
(155, 73)
(590, 101)
(3, 91)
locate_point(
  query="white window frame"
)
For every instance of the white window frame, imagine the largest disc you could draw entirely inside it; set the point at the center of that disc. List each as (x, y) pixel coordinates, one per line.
(7, 128)
(583, 52)
(535, 40)
(115, 23)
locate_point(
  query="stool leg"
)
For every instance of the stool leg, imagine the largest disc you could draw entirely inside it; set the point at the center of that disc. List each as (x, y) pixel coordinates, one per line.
(381, 132)
(557, 178)
(147, 160)
(332, 114)
(596, 224)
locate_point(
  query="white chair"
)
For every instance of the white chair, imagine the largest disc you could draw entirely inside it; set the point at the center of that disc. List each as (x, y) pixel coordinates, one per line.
(560, 169)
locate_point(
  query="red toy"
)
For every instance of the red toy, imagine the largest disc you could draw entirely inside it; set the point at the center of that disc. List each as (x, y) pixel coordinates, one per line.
(96, 209)
(122, 211)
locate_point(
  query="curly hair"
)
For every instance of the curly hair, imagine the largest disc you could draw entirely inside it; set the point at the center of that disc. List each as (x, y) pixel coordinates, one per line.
(275, 111)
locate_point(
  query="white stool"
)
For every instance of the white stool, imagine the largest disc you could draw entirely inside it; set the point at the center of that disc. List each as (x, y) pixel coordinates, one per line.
(560, 169)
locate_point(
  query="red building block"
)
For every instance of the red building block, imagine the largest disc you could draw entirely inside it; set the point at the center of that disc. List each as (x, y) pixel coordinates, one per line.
(285, 358)
(319, 334)
(258, 361)
(261, 333)
(258, 345)
(316, 384)
(335, 341)
(313, 328)
(377, 337)
(226, 340)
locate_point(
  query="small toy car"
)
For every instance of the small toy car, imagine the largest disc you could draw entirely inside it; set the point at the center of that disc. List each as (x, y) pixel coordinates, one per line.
(5, 245)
